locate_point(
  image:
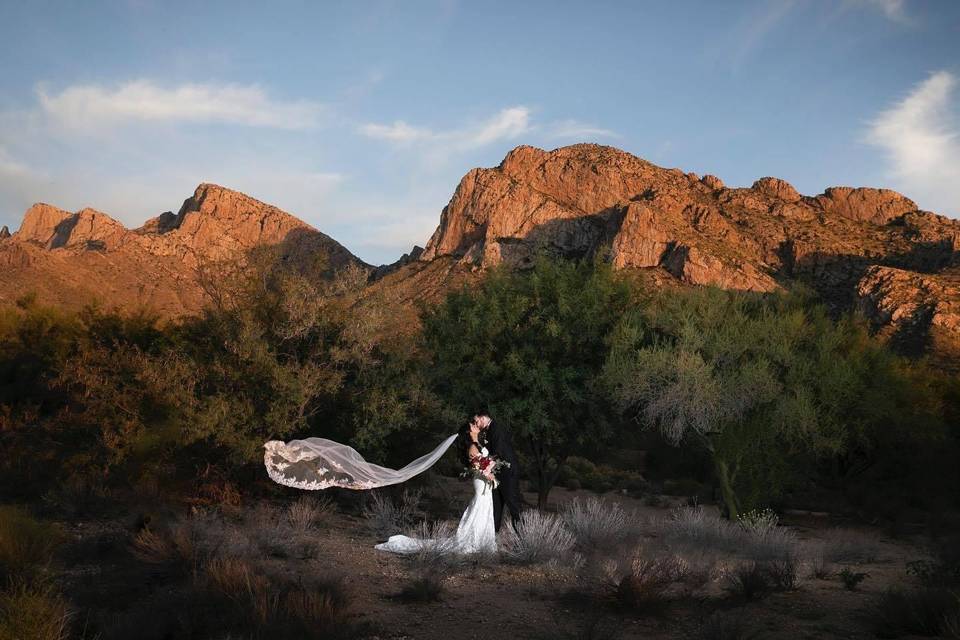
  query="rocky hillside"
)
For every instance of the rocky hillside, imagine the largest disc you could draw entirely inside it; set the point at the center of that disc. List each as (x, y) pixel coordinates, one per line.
(72, 258)
(863, 247)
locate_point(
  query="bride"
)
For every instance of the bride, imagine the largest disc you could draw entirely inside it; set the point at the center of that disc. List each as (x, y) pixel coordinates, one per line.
(475, 533)
(318, 463)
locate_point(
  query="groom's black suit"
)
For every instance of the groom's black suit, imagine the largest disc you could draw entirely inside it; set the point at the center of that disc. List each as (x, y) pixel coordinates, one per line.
(508, 492)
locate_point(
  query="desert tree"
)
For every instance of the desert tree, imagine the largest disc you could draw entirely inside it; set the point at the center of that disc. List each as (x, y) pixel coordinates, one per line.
(530, 345)
(754, 379)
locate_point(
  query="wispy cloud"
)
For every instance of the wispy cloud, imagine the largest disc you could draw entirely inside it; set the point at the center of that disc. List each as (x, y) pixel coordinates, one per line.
(757, 26)
(507, 124)
(574, 129)
(11, 167)
(92, 107)
(399, 131)
(893, 9)
(921, 140)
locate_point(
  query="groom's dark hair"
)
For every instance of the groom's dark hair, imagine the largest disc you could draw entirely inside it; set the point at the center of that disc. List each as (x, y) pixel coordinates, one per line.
(481, 410)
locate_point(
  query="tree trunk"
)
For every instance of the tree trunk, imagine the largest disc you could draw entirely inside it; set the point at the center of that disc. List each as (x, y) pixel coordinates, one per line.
(542, 494)
(726, 488)
(547, 480)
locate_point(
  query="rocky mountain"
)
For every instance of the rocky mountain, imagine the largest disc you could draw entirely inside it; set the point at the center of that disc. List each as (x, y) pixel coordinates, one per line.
(861, 248)
(71, 258)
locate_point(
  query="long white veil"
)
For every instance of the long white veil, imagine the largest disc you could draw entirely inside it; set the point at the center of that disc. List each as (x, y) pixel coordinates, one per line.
(318, 463)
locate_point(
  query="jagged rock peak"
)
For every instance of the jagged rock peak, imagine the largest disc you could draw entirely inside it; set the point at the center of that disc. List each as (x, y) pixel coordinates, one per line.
(776, 188)
(712, 181)
(221, 217)
(878, 206)
(213, 199)
(40, 223)
(4, 233)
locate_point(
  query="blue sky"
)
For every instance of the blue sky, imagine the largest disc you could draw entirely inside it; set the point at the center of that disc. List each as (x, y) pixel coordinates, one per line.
(360, 117)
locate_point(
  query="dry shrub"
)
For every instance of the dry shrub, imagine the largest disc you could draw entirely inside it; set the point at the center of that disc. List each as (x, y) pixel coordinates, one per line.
(595, 522)
(852, 579)
(537, 538)
(270, 533)
(703, 567)
(692, 526)
(26, 544)
(284, 608)
(430, 563)
(32, 611)
(219, 492)
(304, 514)
(758, 539)
(817, 562)
(235, 579)
(643, 588)
(783, 572)
(749, 580)
(174, 546)
(752, 579)
(436, 551)
(426, 587)
(214, 488)
(324, 606)
(386, 516)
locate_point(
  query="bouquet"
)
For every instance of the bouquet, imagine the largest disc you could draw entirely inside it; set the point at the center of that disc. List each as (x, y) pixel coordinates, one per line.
(485, 468)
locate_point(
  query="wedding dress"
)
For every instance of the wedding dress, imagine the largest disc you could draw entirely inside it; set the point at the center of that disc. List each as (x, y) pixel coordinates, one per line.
(318, 463)
(475, 533)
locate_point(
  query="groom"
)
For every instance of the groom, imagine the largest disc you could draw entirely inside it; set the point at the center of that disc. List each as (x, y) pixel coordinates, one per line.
(497, 440)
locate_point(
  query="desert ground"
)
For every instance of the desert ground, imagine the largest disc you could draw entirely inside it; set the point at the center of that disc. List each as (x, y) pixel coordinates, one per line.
(641, 567)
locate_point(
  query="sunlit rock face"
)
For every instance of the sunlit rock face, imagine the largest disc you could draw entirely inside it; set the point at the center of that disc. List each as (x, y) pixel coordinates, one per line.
(585, 198)
(71, 259)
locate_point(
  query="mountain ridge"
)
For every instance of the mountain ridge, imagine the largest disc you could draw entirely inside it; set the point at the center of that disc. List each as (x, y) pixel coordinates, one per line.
(71, 258)
(862, 248)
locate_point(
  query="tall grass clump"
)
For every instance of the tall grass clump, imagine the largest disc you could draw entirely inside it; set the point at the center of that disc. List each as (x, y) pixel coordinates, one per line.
(538, 537)
(304, 514)
(595, 522)
(749, 581)
(764, 540)
(174, 548)
(643, 587)
(820, 568)
(430, 563)
(27, 545)
(251, 599)
(694, 527)
(32, 611)
(387, 516)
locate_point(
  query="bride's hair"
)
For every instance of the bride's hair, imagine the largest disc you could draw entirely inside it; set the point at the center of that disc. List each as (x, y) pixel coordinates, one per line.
(463, 444)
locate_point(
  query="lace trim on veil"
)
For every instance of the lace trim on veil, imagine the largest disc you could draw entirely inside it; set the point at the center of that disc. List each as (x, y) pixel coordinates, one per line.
(318, 463)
